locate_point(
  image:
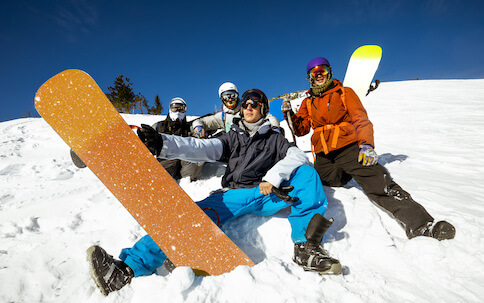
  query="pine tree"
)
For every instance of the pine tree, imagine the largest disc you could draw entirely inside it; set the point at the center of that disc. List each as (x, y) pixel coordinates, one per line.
(122, 96)
(157, 109)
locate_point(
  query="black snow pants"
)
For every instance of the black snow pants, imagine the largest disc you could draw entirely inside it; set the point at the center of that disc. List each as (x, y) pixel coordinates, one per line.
(180, 169)
(338, 167)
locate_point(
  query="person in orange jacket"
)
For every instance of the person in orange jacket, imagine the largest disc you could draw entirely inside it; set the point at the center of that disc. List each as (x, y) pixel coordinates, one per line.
(343, 145)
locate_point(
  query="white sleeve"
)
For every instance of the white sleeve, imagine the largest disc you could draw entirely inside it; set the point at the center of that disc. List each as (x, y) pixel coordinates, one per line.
(191, 149)
(211, 122)
(283, 169)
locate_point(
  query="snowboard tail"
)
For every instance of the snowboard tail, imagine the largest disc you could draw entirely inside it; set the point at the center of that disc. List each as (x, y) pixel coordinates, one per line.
(77, 109)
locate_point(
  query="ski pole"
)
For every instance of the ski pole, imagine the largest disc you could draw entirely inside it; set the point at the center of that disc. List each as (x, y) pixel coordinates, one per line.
(291, 127)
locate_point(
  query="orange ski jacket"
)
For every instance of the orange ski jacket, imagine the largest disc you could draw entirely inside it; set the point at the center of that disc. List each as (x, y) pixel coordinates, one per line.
(337, 117)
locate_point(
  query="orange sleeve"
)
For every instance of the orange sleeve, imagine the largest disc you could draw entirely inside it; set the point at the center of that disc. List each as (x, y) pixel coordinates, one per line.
(359, 118)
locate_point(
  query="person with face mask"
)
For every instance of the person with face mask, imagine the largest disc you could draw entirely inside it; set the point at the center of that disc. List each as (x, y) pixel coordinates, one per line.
(176, 124)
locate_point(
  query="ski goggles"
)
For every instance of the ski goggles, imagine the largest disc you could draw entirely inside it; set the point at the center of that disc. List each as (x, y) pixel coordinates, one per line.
(230, 98)
(255, 96)
(318, 70)
(178, 107)
(228, 95)
(254, 104)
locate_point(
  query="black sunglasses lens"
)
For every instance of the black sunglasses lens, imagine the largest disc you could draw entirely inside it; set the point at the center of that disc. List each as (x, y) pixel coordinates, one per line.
(252, 104)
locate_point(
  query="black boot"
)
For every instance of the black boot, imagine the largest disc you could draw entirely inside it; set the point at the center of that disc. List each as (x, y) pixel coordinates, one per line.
(76, 160)
(441, 230)
(169, 265)
(108, 273)
(311, 255)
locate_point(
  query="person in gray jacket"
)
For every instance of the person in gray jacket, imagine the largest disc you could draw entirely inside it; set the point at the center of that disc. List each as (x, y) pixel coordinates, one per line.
(222, 120)
(264, 174)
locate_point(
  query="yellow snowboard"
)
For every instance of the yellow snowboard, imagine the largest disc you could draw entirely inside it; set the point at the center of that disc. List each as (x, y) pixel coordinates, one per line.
(362, 68)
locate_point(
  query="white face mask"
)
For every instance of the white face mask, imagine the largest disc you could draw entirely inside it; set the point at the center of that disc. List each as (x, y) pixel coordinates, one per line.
(176, 116)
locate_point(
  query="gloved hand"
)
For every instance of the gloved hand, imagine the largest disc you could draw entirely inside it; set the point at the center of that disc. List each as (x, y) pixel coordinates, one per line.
(286, 106)
(367, 155)
(282, 193)
(151, 138)
(199, 132)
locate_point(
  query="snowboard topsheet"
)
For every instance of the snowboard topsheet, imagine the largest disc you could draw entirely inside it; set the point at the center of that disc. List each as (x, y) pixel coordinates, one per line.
(78, 110)
(362, 68)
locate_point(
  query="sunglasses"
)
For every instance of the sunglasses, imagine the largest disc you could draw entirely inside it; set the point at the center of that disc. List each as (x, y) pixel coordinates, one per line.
(177, 107)
(253, 104)
(318, 70)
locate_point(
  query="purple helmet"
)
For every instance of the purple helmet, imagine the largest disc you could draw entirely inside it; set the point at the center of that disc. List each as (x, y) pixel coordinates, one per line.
(315, 62)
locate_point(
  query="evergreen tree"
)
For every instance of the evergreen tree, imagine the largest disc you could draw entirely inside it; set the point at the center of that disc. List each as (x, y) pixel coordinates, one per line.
(157, 109)
(145, 105)
(122, 96)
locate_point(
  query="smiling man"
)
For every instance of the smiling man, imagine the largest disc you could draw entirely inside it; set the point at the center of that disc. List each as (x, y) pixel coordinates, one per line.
(343, 144)
(264, 174)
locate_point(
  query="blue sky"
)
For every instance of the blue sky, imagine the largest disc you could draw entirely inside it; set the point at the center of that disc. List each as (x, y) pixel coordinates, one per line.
(189, 48)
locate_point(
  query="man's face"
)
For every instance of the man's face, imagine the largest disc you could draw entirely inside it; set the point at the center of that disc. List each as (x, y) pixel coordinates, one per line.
(320, 79)
(251, 114)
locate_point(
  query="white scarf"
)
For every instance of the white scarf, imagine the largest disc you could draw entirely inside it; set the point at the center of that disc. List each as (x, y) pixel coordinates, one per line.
(176, 116)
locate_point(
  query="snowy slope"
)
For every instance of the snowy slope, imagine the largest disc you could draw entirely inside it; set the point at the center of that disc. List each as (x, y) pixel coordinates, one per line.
(428, 135)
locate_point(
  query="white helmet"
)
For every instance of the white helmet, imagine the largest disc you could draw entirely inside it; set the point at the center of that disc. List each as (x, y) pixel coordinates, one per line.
(178, 105)
(226, 87)
(178, 100)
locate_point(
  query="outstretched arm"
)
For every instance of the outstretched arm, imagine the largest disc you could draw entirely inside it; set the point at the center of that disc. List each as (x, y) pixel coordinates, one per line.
(191, 149)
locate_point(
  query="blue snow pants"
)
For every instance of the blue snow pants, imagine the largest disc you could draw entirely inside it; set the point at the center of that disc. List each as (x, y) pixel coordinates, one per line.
(145, 256)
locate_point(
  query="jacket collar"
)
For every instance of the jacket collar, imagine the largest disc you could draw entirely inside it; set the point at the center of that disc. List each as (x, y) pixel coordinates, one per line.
(263, 129)
(336, 87)
(232, 111)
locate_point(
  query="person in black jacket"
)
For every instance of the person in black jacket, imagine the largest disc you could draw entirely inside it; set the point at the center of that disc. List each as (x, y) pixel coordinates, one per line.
(176, 124)
(264, 174)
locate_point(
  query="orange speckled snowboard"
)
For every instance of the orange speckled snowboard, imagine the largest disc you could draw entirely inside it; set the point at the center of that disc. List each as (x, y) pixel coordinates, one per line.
(78, 110)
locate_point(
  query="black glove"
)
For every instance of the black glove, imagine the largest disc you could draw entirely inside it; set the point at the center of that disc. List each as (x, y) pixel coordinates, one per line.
(151, 138)
(282, 193)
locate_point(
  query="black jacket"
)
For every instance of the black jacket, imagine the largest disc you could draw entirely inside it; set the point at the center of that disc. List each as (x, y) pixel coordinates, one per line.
(177, 127)
(249, 158)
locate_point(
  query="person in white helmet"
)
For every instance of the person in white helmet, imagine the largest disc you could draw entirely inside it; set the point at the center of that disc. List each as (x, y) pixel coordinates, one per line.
(212, 123)
(176, 124)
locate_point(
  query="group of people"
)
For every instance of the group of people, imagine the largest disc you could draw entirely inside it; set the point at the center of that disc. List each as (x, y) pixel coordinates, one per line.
(206, 126)
(265, 173)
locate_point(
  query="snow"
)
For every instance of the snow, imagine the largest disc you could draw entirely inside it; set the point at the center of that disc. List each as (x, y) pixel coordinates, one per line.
(428, 134)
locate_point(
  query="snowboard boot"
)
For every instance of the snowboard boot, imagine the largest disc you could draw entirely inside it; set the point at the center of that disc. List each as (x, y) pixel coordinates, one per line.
(171, 267)
(310, 255)
(441, 230)
(108, 274)
(76, 160)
